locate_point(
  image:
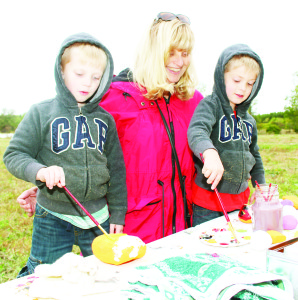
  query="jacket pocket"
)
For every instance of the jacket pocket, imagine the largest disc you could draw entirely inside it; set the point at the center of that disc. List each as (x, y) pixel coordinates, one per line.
(141, 203)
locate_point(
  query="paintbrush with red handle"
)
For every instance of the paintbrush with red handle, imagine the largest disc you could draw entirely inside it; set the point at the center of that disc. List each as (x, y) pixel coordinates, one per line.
(223, 208)
(261, 191)
(85, 210)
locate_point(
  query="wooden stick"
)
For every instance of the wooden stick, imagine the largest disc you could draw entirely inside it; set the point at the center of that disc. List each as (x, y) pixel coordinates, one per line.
(279, 247)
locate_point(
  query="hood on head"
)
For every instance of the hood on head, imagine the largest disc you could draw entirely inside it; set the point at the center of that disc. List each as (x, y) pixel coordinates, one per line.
(219, 82)
(106, 79)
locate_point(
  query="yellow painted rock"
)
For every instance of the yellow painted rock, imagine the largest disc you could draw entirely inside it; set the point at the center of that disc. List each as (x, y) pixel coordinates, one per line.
(293, 198)
(276, 236)
(117, 249)
(296, 234)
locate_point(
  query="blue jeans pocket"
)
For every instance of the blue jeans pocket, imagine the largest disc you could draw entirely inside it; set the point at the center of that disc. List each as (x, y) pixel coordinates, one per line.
(40, 212)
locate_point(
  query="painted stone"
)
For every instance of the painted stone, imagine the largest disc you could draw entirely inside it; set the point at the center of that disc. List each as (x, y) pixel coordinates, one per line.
(287, 202)
(289, 210)
(293, 198)
(119, 248)
(289, 222)
(276, 236)
(260, 240)
(244, 215)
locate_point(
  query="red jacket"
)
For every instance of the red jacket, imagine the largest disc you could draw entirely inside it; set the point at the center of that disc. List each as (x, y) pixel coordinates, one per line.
(148, 159)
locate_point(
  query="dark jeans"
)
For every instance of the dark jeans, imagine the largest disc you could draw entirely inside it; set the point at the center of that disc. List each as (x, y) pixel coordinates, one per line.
(201, 215)
(53, 237)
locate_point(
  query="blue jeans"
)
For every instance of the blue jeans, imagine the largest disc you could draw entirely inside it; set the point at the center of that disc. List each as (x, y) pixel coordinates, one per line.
(53, 237)
(201, 215)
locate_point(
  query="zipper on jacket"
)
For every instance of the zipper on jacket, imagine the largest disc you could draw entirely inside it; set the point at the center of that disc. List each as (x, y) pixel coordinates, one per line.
(163, 207)
(173, 168)
(176, 164)
(242, 144)
(87, 170)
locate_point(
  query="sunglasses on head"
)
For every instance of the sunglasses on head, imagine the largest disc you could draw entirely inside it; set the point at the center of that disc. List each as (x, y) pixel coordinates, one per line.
(167, 16)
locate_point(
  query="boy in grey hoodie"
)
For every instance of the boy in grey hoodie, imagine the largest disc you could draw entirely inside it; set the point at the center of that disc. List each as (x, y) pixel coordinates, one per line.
(70, 140)
(226, 135)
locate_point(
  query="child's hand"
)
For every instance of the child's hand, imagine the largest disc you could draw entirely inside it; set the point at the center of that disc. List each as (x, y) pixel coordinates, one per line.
(52, 176)
(27, 201)
(252, 198)
(114, 228)
(213, 168)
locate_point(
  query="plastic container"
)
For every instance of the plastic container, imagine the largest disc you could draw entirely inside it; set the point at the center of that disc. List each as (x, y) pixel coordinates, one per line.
(267, 209)
(284, 264)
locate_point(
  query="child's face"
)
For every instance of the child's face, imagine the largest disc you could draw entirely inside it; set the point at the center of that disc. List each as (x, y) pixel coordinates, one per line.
(239, 82)
(82, 79)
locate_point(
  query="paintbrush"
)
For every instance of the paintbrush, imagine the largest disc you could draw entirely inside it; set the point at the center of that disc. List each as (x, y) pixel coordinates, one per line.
(269, 191)
(273, 192)
(223, 209)
(87, 213)
(266, 199)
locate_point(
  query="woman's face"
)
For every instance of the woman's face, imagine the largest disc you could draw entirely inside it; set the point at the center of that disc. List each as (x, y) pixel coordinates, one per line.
(177, 64)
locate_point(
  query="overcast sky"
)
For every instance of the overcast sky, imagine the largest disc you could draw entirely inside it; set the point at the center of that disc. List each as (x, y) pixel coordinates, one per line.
(32, 32)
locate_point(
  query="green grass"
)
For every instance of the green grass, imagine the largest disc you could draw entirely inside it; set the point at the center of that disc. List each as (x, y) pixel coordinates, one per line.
(15, 226)
(280, 157)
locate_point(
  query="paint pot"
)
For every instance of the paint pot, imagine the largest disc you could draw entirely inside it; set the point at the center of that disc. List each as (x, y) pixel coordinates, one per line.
(267, 209)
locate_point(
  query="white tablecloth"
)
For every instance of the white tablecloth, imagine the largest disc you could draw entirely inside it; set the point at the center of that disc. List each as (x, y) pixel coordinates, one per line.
(112, 277)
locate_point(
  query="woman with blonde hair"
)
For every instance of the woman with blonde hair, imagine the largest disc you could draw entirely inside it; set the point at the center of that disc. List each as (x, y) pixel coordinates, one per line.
(152, 106)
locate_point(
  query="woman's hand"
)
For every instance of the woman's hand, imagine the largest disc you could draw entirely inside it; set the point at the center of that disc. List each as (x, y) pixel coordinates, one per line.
(213, 168)
(27, 201)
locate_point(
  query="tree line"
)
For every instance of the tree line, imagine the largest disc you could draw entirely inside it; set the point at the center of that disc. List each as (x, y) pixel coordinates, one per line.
(271, 123)
(288, 120)
(9, 122)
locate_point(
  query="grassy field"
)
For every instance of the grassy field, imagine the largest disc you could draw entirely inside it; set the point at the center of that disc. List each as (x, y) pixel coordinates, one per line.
(280, 157)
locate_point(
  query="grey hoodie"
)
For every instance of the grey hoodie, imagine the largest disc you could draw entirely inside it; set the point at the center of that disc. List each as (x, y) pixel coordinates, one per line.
(214, 126)
(83, 141)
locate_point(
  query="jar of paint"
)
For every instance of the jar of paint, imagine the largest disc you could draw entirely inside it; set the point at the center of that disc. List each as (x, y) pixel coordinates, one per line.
(267, 209)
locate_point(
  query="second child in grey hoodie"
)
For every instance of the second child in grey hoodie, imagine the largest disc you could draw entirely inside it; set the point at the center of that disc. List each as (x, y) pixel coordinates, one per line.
(223, 131)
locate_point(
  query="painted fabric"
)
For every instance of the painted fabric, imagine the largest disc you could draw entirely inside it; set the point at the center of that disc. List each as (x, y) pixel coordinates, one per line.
(205, 276)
